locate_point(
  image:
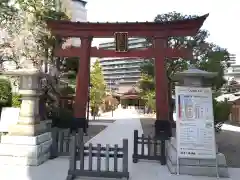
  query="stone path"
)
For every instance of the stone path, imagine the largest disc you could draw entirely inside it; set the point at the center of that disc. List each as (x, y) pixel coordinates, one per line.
(126, 122)
(99, 123)
(104, 116)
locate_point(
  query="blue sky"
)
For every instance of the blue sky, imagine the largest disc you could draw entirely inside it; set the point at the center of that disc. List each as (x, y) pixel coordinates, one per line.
(223, 22)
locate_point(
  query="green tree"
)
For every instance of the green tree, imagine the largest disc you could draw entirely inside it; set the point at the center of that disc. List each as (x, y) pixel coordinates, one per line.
(5, 93)
(221, 112)
(206, 56)
(7, 10)
(98, 88)
(69, 69)
(231, 87)
(27, 36)
(150, 101)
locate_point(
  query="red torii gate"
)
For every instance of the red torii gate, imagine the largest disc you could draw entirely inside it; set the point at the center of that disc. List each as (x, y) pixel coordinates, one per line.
(158, 31)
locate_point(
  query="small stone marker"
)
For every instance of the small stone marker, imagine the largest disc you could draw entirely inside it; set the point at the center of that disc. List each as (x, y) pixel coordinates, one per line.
(9, 116)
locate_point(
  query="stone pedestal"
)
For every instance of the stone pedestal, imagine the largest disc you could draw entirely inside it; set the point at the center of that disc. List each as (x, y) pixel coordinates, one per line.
(25, 150)
(195, 167)
(27, 142)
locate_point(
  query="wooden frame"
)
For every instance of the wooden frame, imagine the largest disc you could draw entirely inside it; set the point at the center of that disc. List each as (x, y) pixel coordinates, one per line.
(78, 152)
(157, 145)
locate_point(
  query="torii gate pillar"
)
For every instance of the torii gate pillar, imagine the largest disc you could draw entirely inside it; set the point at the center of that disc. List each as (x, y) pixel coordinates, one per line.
(161, 81)
(82, 84)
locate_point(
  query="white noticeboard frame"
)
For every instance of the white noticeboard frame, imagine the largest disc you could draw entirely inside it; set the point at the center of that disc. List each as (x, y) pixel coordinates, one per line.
(195, 132)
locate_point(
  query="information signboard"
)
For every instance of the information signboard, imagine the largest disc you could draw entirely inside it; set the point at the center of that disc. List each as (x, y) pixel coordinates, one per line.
(195, 123)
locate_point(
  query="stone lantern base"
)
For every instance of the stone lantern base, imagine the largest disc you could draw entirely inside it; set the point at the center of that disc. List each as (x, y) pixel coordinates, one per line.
(25, 150)
(195, 167)
(27, 142)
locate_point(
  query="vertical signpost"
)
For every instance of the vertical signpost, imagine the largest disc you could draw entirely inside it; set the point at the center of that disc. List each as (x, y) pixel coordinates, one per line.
(195, 124)
(121, 41)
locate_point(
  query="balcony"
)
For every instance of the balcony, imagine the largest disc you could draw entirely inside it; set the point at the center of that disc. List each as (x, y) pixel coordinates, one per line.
(122, 67)
(116, 80)
(233, 73)
(130, 82)
(119, 62)
(116, 86)
(124, 72)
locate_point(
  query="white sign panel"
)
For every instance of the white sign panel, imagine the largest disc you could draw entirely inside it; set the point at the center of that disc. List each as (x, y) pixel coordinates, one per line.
(9, 116)
(195, 123)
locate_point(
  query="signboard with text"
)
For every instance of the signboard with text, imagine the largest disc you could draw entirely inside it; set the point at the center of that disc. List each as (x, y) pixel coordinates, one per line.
(121, 41)
(195, 123)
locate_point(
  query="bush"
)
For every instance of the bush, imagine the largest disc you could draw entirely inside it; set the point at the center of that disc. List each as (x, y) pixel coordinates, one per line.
(16, 100)
(71, 75)
(221, 112)
(67, 91)
(5, 93)
(94, 110)
(110, 103)
(61, 118)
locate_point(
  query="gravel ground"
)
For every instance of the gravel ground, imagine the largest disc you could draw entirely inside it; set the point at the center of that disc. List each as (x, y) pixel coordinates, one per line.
(228, 142)
(93, 130)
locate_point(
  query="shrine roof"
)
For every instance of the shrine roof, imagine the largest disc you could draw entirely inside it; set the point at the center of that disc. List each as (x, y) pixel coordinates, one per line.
(132, 91)
(130, 96)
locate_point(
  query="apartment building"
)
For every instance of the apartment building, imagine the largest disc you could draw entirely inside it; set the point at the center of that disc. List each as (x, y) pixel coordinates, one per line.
(121, 74)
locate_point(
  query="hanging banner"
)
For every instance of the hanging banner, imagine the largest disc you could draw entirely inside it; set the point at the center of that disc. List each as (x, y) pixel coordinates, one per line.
(195, 131)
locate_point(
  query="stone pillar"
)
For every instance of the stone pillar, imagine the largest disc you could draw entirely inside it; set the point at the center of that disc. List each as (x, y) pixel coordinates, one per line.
(194, 77)
(27, 142)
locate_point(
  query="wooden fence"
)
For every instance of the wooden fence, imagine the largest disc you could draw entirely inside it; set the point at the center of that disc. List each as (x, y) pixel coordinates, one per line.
(60, 142)
(155, 148)
(97, 158)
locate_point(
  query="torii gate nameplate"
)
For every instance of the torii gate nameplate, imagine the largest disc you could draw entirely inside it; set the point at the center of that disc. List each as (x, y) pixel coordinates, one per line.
(121, 41)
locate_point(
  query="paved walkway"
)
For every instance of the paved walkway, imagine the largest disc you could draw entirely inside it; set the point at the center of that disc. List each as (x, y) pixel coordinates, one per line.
(126, 122)
(104, 116)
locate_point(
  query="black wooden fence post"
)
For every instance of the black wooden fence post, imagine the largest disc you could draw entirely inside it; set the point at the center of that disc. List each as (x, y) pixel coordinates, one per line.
(135, 146)
(163, 153)
(125, 155)
(81, 147)
(54, 146)
(72, 159)
(152, 145)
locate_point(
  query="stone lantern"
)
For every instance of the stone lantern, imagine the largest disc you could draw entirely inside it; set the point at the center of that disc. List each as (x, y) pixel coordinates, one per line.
(27, 142)
(194, 77)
